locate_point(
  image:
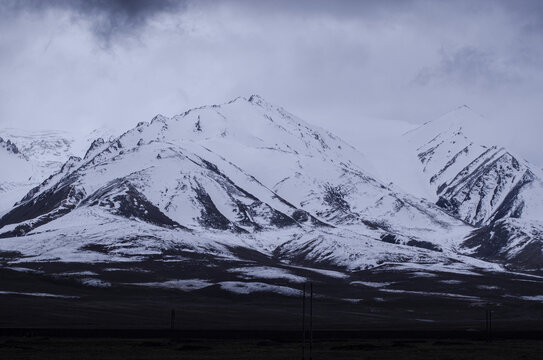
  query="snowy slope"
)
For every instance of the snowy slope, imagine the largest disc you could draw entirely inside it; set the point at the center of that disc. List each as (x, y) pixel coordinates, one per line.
(248, 174)
(474, 182)
(16, 174)
(389, 153)
(244, 173)
(51, 148)
(482, 185)
(41, 145)
(41, 154)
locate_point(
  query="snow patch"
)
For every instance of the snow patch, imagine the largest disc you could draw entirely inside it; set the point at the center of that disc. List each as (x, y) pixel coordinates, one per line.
(430, 293)
(183, 285)
(372, 284)
(95, 283)
(252, 287)
(38, 294)
(267, 272)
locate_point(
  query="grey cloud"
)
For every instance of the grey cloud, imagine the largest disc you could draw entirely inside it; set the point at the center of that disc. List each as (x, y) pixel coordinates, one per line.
(528, 14)
(108, 19)
(330, 62)
(347, 8)
(468, 65)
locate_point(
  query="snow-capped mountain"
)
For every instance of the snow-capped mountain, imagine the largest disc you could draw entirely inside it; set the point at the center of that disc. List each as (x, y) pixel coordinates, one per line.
(245, 173)
(43, 146)
(38, 154)
(485, 186)
(246, 182)
(52, 148)
(15, 176)
(244, 198)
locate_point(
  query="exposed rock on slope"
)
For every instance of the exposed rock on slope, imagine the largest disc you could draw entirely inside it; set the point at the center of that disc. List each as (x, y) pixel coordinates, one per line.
(245, 171)
(483, 186)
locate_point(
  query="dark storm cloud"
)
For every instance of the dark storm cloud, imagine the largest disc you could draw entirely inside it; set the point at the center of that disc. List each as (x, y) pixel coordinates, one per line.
(108, 19)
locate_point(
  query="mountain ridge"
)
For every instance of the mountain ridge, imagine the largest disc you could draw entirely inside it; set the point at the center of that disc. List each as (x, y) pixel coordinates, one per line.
(247, 177)
(485, 186)
(198, 170)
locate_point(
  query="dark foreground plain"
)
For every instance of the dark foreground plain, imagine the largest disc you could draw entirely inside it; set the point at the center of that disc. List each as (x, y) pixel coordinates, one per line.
(382, 298)
(414, 315)
(167, 348)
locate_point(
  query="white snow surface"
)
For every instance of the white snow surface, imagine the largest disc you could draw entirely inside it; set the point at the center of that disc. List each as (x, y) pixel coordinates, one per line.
(267, 272)
(238, 287)
(433, 293)
(94, 282)
(41, 154)
(241, 174)
(459, 164)
(183, 285)
(37, 294)
(372, 284)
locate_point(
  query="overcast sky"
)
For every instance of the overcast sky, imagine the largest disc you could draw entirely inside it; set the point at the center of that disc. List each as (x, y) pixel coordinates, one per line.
(75, 64)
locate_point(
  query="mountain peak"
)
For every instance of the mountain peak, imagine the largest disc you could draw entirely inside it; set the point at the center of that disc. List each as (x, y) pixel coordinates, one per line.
(462, 120)
(9, 146)
(461, 116)
(159, 118)
(256, 98)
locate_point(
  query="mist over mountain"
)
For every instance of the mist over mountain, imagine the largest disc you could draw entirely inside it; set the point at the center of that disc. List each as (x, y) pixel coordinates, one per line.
(248, 171)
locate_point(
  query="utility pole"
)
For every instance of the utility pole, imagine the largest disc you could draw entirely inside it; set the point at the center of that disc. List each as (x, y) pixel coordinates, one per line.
(489, 323)
(172, 319)
(303, 323)
(311, 322)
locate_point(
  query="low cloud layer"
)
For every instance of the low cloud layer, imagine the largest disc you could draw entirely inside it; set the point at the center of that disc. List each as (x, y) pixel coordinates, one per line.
(78, 64)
